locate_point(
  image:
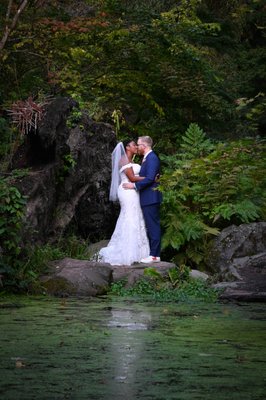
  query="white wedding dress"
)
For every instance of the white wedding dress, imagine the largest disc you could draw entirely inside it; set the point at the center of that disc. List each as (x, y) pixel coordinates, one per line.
(129, 242)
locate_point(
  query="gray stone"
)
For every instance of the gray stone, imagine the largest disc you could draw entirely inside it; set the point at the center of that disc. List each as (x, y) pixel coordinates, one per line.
(235, 242)
(71, 277)
(195, 274)
(67, 186)
(135, 272)
(238, 255)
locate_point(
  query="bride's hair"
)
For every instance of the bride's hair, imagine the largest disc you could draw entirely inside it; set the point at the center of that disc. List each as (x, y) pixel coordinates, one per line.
(127, 141)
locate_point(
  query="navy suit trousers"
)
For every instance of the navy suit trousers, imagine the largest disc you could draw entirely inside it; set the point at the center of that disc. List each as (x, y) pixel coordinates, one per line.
(151, 214)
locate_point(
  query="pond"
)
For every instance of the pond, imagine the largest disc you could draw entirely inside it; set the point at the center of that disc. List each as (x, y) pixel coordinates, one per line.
(115, 348)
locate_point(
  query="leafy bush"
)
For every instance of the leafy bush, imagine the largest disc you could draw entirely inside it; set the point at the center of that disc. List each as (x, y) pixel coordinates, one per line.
(178, 286)
(22, 266)
(23, 275)
(11, 212)
(6, 135)
(12, 205)
(223, 184)
(194, 143)
(74, 247)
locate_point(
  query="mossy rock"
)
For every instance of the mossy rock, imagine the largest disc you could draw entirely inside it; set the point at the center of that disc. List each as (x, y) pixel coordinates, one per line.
(59, 287)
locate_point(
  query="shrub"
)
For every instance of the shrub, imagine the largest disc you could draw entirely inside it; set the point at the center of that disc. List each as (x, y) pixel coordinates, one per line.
(178, 286)
(11, 213)
(209, 187)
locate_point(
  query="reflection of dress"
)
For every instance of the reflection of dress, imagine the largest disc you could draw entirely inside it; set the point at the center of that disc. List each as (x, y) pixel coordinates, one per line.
(129, 242)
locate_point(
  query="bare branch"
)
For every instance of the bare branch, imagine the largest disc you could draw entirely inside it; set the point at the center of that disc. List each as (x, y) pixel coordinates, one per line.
(10, 28)
(10, 2)
(17, 15)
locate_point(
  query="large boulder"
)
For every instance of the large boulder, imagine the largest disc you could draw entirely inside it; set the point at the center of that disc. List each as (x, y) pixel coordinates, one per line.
(70, 277)
(67, 185)
(238, 258)
(135, 272)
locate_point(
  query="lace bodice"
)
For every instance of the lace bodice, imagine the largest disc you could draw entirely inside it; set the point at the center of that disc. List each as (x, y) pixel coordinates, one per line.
(136, 169)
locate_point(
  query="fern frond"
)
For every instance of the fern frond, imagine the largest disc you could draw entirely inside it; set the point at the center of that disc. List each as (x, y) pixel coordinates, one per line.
(210, 230)
(194, 142)
(192, 231)
(247, 211)
(152, 273)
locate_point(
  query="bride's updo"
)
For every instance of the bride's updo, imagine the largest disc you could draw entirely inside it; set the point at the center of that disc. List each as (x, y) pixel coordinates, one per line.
(127, 142)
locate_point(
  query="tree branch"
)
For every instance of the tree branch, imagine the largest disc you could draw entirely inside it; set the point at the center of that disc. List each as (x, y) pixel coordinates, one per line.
(11, 27)
(8, 10)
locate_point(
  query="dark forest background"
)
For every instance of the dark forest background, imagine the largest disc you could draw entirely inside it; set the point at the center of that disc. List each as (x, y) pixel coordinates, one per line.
(191, 74)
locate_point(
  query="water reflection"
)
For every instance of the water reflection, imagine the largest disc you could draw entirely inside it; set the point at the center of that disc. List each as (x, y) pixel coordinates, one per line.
(127, 348)
(129, 320)
(183, 349)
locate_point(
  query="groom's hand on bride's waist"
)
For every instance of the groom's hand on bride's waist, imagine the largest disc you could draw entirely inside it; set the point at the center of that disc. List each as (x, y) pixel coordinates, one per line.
(129, 185)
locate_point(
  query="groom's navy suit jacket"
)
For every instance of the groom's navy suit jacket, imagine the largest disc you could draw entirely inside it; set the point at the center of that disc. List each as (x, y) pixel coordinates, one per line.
(150, 167)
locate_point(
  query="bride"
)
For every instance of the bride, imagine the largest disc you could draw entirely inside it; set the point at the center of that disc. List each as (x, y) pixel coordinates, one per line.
(129, 242)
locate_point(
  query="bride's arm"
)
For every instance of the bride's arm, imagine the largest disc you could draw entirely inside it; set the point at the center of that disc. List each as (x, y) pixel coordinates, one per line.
(131, 176)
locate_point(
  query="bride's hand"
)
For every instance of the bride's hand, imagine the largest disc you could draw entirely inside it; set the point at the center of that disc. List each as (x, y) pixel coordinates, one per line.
(128, 185)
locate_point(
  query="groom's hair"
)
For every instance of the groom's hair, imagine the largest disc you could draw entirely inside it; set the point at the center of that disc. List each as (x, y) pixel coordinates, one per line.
(147, 140)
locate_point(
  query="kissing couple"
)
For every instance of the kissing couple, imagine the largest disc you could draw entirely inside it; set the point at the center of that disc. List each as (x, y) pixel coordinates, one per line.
(137, 234)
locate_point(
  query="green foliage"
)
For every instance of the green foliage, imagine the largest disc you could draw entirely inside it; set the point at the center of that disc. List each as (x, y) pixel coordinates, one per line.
(68, 165)
(69, 162)
(12, 205)
(253, 111)
(74, 247)
(152, 273)
(74, 117)
(34, 261)
(177, 287)
(156, 67)
(118, 120)
(210, 192)
(179, 275)
(157, 62)
(6, 136)
(37, 258)
(195, 143)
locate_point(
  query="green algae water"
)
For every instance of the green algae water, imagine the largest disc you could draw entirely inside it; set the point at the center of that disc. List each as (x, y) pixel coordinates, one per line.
(124, 349)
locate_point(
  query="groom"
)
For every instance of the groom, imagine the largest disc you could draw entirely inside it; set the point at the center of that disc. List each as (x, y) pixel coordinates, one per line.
(150, 198)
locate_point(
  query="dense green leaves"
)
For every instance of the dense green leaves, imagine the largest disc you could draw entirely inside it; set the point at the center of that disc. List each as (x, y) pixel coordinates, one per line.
(11, 213)
(162, 64)
(177, 286)
(225, 184)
